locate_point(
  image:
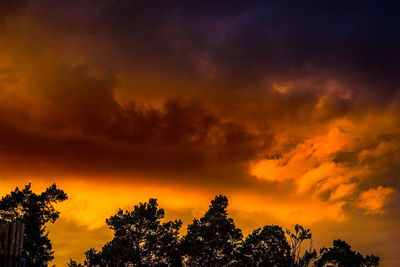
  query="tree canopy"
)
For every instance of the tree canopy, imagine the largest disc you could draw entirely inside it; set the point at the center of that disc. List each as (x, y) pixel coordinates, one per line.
(341, 255)
(142, 237)
(34, 211)
(266, 247)
(212, 240)
(296, 239)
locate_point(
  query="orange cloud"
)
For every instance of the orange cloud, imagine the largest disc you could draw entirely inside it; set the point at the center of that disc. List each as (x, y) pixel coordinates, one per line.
(342, 191)
(335, 165)
(374, 199)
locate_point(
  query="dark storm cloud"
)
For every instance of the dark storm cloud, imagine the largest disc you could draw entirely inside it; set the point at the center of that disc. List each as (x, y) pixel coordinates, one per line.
(237, 44)
(82, 123)
(8, 8)
(332, 56)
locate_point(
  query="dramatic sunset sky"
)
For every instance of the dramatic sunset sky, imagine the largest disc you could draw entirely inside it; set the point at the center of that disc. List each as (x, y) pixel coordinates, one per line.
(292, 110)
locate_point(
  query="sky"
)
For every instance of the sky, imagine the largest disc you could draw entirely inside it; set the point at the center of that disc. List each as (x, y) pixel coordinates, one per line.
(289, 108)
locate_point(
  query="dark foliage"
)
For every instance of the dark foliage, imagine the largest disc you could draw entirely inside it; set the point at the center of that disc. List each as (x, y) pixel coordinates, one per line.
(341, 255)
(266, 247)
(73, 263)
(34, 211)
(142, 238)
(212, 240)
(296, 239)
(139, 239)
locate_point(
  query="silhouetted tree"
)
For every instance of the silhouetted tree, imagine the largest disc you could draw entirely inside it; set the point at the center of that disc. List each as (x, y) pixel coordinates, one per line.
(34, 210)
(296, 238)
(140, 239)
(73, 263)
(266, 247)
(93, 258)
(371, 261)
(341, 255)
(214, 239)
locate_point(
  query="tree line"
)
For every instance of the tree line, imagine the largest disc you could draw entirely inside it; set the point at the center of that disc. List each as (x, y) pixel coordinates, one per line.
(143, 238)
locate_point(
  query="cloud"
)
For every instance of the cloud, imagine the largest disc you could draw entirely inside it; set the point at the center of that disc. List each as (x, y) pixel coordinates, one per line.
(340, 164)
(78, 117)
(8, 8)
(374, 199)
(238, 47)
(342, 191)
